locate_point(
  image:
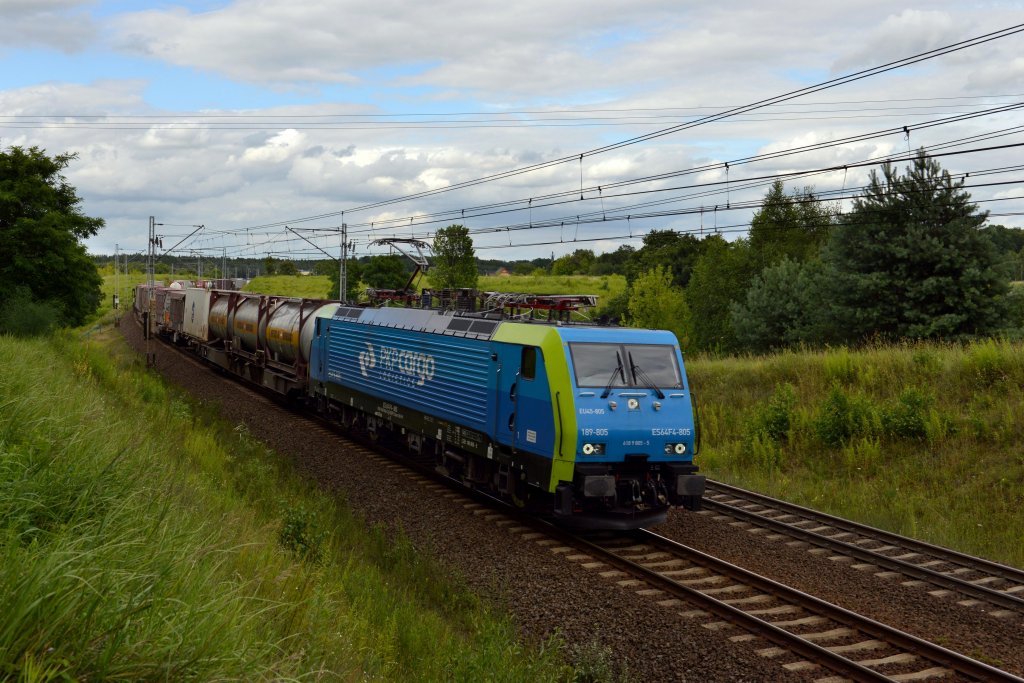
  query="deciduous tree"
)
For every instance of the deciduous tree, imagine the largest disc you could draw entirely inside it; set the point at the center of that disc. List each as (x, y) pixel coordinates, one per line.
(655, 303)
(385, 272)
(41, 231)
(454, 262)
(676, 251)
(720, 278)
(791, 226)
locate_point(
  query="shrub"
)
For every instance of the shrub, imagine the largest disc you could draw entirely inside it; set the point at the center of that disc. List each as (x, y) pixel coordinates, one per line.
(301, 533)
(774, 419)
(22, 316)
(842, 417)
(908, 417)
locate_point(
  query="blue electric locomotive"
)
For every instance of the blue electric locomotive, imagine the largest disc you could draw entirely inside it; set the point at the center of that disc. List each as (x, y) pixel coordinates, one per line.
(594, 425)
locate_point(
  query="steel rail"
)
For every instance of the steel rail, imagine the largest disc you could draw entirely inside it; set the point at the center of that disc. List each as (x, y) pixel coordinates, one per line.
(947, 581)
(904, 641)
(749, 623)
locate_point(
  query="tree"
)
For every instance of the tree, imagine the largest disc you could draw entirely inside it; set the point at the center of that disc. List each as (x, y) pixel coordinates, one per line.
(1009, 245)
(910, 262)
(41, 228)
(269, 265)
(655, 303)
(613, 262)
(287, 268)
(794, 226)
(675, 251)
(522, 268)
(720, 278)
(577, 263)
(454, 260)
(783, 307)
(385, 272)
(353, 274)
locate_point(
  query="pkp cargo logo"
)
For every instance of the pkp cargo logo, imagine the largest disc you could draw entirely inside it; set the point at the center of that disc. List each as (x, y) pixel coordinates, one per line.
(367, 360)
(397, 365)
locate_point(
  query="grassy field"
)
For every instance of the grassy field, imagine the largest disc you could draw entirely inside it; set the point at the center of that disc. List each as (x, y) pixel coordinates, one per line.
(921, 439)
(307, 286)
(142, 538)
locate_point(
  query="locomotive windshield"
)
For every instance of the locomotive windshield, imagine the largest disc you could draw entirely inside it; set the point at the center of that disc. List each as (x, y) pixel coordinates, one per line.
(625, 365)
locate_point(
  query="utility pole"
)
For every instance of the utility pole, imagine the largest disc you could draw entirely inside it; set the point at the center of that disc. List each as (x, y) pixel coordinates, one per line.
(223, 263)
(117, 284)
(150, 255)
(343, 272)
(151, 281)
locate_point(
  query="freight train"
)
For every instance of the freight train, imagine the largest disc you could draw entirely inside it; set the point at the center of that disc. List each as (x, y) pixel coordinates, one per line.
(594, 426)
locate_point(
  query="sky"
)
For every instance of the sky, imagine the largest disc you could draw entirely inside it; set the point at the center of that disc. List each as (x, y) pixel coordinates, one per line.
(270, 123)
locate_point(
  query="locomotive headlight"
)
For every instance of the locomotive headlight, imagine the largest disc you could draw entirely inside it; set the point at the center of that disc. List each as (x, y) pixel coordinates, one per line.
(613, 405)
(677, 448)
(657, 405)
(633, 404)
(593, 449)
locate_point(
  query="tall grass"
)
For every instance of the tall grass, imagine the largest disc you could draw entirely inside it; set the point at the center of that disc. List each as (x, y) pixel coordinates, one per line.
(923, 439)
(142, 539)
(306, 286)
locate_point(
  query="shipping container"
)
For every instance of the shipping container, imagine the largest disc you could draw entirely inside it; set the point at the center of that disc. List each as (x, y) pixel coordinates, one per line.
(197, 313)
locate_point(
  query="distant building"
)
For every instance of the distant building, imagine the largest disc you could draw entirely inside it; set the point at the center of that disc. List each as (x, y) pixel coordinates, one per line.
(502, 272)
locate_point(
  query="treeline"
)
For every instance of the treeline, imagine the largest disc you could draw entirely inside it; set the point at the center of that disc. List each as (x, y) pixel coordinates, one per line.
(913, 259)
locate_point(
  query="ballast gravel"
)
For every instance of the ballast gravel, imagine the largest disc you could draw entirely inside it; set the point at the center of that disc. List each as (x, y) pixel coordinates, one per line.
(543, 591)
(970, 630)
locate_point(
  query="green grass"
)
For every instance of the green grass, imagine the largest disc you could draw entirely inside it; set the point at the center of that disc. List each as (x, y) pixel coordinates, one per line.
(922, 439)
(142, 538)
(306, 286)
(604, 286)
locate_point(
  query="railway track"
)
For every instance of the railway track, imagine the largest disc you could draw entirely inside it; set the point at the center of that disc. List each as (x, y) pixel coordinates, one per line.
(802, 633)
(974, 579)
(814, 635)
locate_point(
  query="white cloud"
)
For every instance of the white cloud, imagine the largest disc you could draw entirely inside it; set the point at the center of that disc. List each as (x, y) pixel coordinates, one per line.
(532, 55)
(900, 35)
(58, 24)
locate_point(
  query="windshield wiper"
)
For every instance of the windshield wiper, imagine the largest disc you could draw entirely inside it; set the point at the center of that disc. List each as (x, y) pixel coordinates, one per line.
(642, 376)
(611, 380)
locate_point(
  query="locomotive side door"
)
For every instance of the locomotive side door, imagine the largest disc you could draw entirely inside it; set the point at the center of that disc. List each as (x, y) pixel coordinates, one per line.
(508, 362)
(524, 418)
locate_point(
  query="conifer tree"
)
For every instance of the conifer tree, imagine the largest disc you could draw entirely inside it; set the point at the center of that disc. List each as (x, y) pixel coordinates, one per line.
(909, 261)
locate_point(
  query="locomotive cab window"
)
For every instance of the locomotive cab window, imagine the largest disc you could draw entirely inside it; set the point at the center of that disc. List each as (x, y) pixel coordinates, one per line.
(625, 365)
(528, 363)
(598, 365)
(653, 365)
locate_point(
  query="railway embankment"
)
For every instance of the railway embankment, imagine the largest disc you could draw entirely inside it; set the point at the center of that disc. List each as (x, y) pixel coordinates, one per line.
(921, 439)
(144, 538)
